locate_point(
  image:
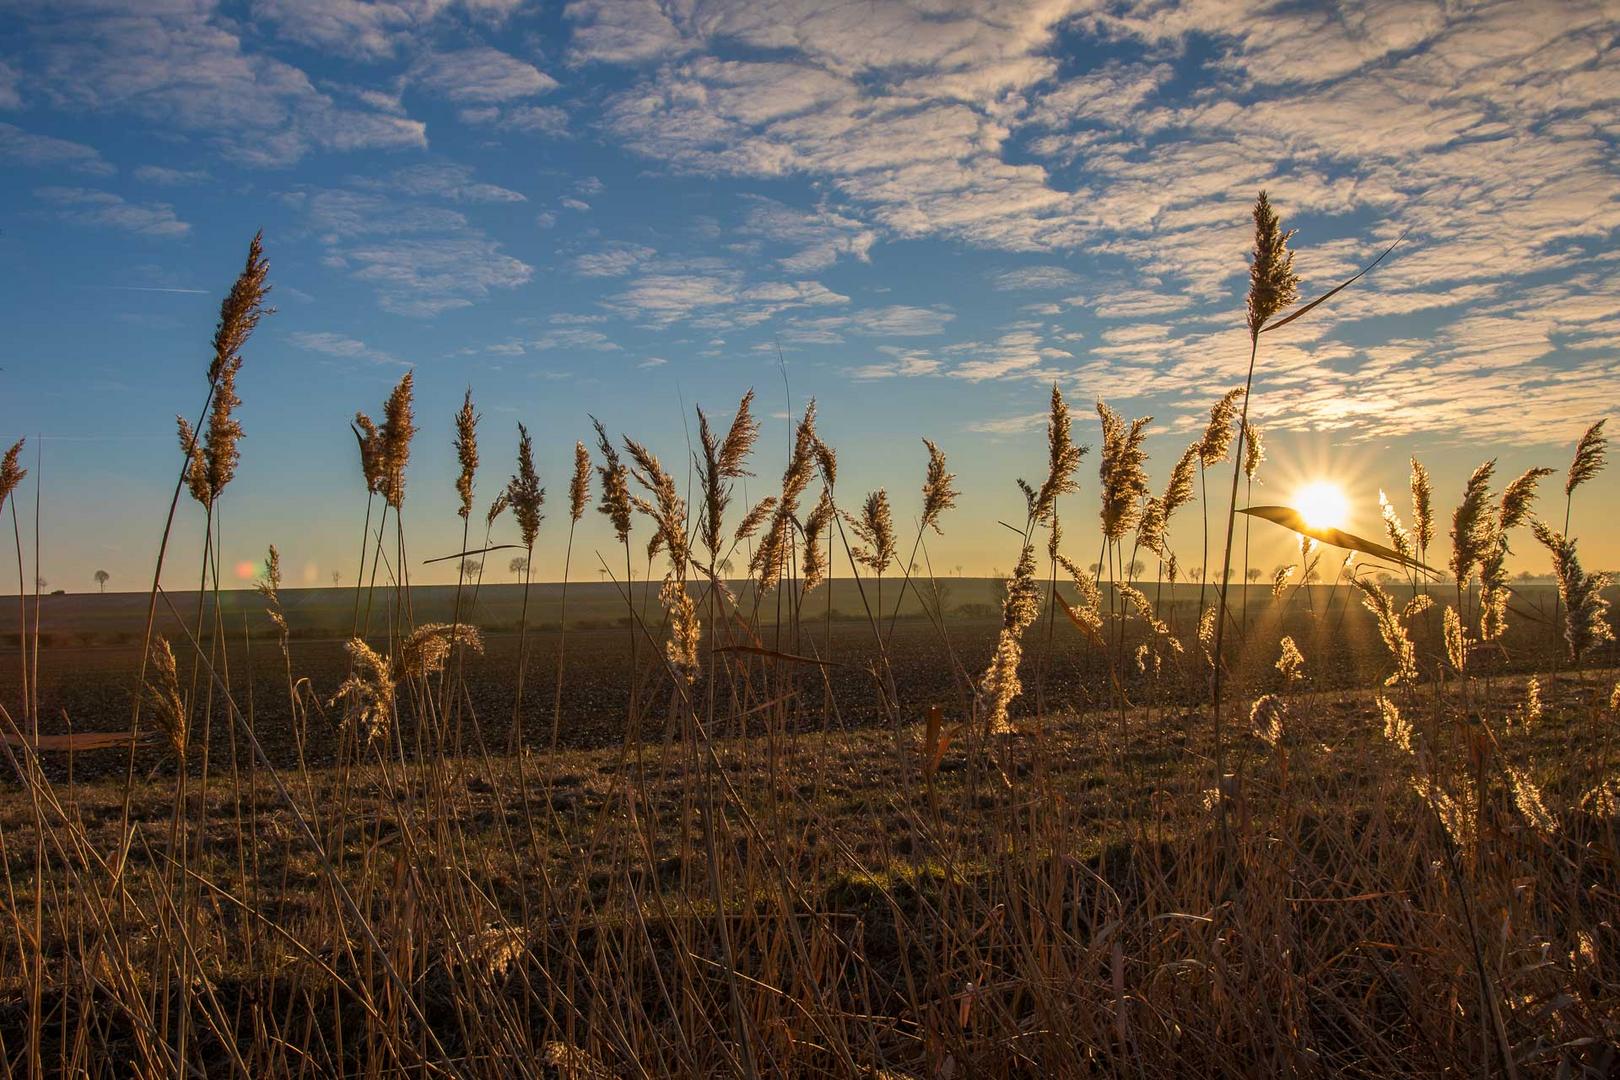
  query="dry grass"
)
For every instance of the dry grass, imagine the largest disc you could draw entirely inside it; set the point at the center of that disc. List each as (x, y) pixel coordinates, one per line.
(1414, 877)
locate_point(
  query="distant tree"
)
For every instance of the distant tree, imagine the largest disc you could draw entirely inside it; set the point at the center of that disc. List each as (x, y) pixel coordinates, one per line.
(1136, 568)
(1096, 568)
(602, 573)
(958, 569)
(518, 566)
(470, 569)
(102, 577)
(726, 566)
(1196, 573)
(1253, 574)
(41, 584)
(337, 576)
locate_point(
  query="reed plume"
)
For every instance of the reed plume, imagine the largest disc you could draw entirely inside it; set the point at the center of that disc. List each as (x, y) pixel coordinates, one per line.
(163, 693)
(667, 510)
(497, 506)
(1121, 472)
(219, 453)
(524, 492)
(1063, 458)
(11, 472)
(241, 310)
(815, 529)
(1422, 508)
(1273, 285)
(1399, 538)
(1021, 606)
(1392, 627)
(367, 695)
(1471, 525)
(1397, 728)
(428, 648)
(809, 453)
(270, 589)
(1218, 433)
(1290, 661)
(1517, 498)
(1254, 452)
(371, 452)
(1580, 593)
(579, 488)
(466, 445)
(1178, 492)
(937, 492)
(875, 527)
(397, 430)
(615, 477)
(1591, 452)
(195, 471)
(1266, 718)
(720, 462)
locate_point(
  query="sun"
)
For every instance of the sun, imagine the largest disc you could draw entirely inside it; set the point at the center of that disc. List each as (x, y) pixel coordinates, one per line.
(1323, 505)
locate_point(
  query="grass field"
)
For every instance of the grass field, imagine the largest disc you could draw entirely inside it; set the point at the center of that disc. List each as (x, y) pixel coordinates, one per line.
(1070, 823)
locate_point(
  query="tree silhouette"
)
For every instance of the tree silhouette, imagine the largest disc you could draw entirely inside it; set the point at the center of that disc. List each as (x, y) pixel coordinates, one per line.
(1253, 574)
(518, 566)
(1136, 569)
(337, 576)
(470, 568)
(102, 578)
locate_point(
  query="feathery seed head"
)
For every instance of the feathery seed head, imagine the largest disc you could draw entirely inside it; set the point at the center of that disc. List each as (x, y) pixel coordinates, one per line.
(398, 428)
(615, 478)
(1517, 497)
(1422, 506)
(466, 453)
(875, 527)
(1584, 607)
(1254, 451)
(1471, 526)
(1218, 434)
(371, 452)
(367, 695)
(1179, 491)
(815, 529)
(241, 310)
(579, 488)
(195, 471)
(497, 507)
(1399, 538)
(428, 648)
(163, 691)
(12, 473)
(1273, 285)
(524, 491)
(938, 495)
(1590, 454)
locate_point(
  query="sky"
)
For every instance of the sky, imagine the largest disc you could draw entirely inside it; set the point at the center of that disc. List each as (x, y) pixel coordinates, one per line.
(922, 214)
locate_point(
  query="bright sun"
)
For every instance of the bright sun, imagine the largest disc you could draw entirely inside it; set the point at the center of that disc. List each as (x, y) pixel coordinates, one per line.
(1323, 505)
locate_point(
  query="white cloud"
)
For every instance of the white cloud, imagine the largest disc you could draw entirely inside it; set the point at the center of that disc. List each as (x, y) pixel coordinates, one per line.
(481, 74)
(44, 151)
(1044, 278)
(167, 177)
(342, 346)
(10, 80)
(616, 260)
(575, 338)
(445, 181)
(103, 209)
(183, 65)
(528, 119)
(367, 29)
(429, 275)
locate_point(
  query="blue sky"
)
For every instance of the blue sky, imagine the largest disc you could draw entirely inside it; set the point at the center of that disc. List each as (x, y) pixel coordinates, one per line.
(933, 210)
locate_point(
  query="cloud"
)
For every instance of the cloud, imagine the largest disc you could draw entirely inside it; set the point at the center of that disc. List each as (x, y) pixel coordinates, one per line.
(481, 74)
(575, 338)
(616, 260)
(167, 177)
(548, 120)
(1044, 278)
(342, 346)
(443, 180)
(429, 275)
(103, 209)
(819, 238)
(363, 29)
(44, 151)
(10, 79)
(184, 66)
